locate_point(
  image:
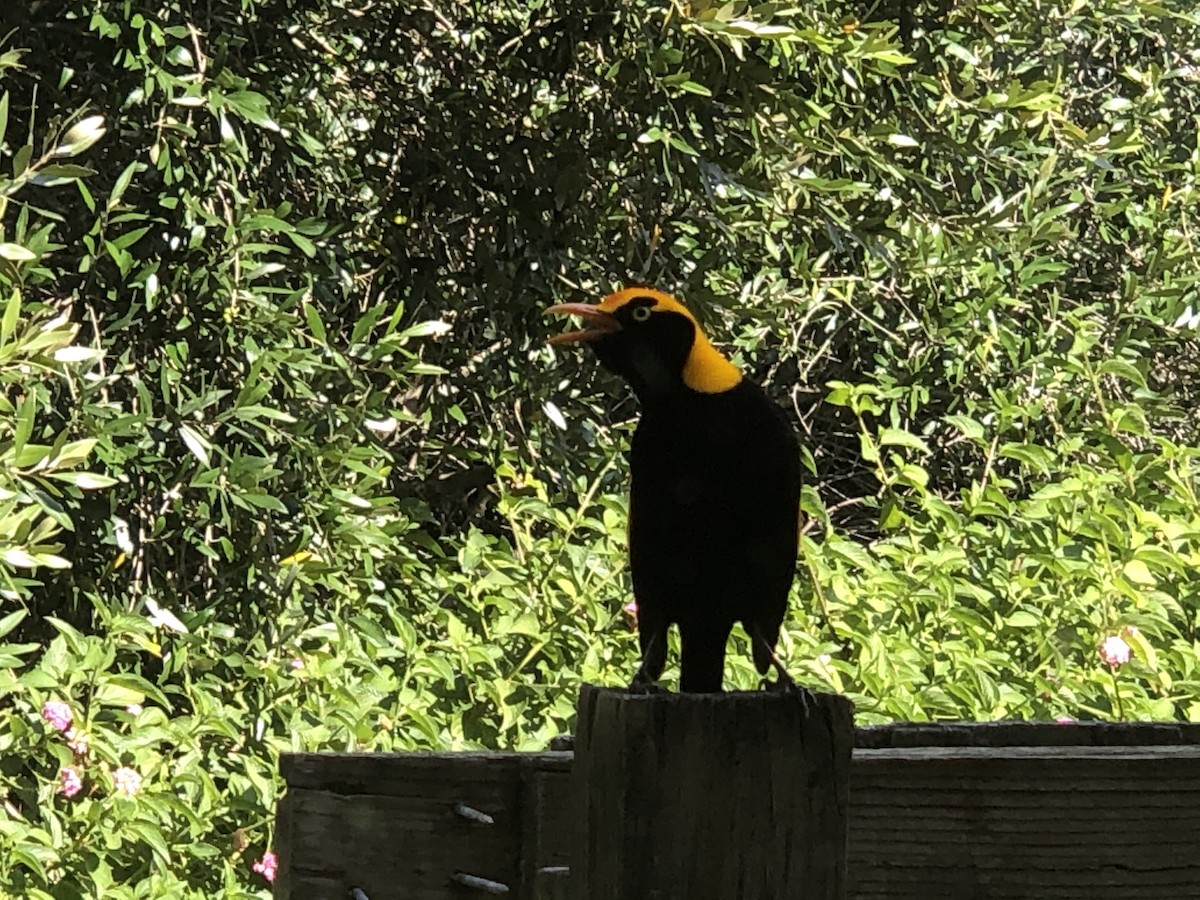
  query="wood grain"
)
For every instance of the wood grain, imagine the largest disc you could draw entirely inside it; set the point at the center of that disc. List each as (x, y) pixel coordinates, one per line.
(997, 811)
(1025, 823)
(739, 796)
(389, 826)
(1007, 734)
(1025, 734)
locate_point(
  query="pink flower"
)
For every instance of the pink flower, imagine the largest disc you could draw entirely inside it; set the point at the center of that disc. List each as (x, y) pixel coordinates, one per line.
(1114, 651)
(78, 742)
(297, 663)
(58, 714)
(1065, 720)
(267, 865)
(127, 780)
(69, 782)
(632, 609)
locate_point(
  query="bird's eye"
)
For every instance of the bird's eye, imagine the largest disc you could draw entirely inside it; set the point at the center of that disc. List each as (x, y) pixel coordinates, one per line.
(640, 313)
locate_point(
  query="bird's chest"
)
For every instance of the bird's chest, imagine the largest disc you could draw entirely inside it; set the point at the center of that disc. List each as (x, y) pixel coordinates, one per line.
(686, 472)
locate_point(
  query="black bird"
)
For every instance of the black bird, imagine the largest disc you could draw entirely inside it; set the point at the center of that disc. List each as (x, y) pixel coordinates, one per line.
(715, 495)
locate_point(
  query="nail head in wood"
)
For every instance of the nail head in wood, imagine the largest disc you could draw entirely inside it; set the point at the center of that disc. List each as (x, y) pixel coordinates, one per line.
(483, 885)
(473, 815)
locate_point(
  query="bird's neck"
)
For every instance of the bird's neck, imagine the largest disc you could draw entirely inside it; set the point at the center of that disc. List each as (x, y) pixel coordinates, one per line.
(656, 380)
(707, 371)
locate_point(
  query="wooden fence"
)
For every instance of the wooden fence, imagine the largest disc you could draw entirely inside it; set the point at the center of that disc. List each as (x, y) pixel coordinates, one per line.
(970, 811)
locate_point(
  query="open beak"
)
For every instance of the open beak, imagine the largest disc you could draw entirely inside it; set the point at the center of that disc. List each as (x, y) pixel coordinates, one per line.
(599, 323)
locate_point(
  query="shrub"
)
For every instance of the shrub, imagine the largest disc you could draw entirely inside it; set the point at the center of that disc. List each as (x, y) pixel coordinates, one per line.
(274, 384)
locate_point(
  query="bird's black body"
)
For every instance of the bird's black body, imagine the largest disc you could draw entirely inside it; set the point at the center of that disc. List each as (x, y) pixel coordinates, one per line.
(713, 526)
(714, 505)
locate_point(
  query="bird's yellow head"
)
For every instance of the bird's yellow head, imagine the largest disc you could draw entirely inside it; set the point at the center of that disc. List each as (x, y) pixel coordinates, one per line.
(652, 341)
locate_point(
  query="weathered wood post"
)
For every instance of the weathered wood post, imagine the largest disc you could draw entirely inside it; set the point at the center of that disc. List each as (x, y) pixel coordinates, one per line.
(740, 796)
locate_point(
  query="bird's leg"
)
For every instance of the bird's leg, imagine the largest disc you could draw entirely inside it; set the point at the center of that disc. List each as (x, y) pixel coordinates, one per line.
(643, 682)
(785, 682)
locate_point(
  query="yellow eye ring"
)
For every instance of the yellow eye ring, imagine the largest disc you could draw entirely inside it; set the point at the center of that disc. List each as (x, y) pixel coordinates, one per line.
(640, 313)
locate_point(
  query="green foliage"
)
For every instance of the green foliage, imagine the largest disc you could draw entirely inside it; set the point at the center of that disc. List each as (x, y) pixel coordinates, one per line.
(273, 382)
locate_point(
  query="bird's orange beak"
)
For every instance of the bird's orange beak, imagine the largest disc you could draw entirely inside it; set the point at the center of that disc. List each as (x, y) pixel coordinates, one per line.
(599, 323)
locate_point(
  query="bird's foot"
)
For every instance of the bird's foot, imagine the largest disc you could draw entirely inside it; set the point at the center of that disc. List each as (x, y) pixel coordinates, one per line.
(785, 684)
(642, 684)
(808, 700)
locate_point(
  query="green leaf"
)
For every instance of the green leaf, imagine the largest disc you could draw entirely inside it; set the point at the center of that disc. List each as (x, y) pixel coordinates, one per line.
(870, 452)
(122, 184)
(19, 558)
(426, 329)
(970, 428)
(259, 271)
(87, 481)
(16, 253)
(24, 429)
(77, 354)
(1142, 648)
(197, 443)
(51, 176)
(1122, 369)
(961, 52)
(21, 160)
(258, 411)
(1037, 458)
(11, 621)
(315, 325)
(129, 238)
(763, 30)
(152, 835)
(891, 57)
(81, 136)
(1024, 619)
(74, 452)
(693, 88)
(12, 312)
(1139, 573)
(307, 247)
(681, 145)
(136, 684)
(266, 222)
(896, 437)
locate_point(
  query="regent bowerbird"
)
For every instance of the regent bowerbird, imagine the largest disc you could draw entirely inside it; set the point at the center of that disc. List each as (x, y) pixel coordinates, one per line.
(715, 488)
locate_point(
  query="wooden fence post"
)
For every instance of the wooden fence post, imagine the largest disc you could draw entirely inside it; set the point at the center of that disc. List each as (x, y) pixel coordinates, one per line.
(740, 796)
